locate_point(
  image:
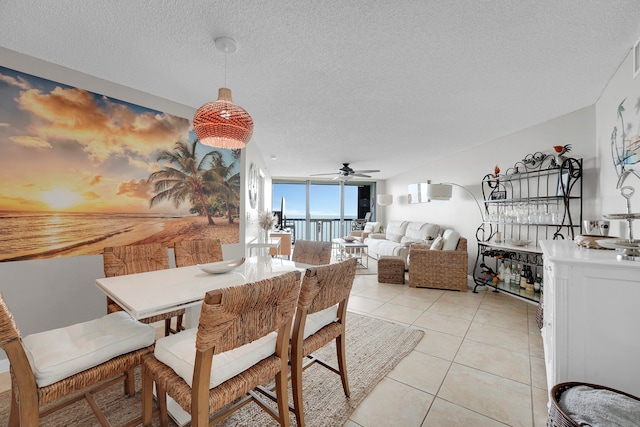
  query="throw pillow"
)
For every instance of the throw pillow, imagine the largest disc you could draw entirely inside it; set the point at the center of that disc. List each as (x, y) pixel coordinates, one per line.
(450, 240)
(394, 237)
(437, 244)
(371, 227)
(406, 240)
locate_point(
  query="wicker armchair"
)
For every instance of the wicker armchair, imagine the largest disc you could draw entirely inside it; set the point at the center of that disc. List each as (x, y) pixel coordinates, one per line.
(121, 260)
(233, 320)
(324, 295)
(54, 379)
(439, 269)
(192, 252)
(312, 252)
(369, 227)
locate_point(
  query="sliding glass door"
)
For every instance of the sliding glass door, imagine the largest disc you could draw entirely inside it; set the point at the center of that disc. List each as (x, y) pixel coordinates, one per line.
(322, 210)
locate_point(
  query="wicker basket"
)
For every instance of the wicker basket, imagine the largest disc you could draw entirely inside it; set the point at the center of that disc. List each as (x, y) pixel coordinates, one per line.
(559, 418)
(391, 270)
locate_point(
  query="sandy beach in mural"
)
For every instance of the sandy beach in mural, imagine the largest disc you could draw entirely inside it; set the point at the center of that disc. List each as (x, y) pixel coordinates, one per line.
(177, 229)
(166, 231)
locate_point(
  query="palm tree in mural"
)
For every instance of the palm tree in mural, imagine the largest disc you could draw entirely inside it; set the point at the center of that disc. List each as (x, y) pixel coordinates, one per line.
(184, 177)
(227, 183)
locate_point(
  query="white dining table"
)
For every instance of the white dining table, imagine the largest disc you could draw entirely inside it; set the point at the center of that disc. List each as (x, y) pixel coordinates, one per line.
(147, 294)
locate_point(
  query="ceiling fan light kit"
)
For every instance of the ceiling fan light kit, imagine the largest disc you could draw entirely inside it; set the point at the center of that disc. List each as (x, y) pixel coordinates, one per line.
(222, 123)
(345, 173)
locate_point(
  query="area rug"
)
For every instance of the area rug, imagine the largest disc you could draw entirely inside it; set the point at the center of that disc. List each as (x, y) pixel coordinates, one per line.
(374, 347)
(372, 267)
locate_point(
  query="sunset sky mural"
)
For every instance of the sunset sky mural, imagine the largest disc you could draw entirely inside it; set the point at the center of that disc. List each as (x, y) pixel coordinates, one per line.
(67, 150)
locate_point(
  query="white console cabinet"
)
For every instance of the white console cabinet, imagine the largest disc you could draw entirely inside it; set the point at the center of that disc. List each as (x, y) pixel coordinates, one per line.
(591, 330)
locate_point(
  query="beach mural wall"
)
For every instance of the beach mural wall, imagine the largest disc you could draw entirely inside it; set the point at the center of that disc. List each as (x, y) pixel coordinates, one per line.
(80, 171)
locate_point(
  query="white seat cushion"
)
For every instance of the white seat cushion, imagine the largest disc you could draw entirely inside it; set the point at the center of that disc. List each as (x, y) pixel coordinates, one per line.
(421, 231)
(179, 353)
(60, 353)
(372, 227)
(316, 321)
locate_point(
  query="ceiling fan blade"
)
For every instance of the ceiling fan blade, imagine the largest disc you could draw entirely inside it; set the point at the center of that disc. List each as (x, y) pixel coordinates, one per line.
(361, 175)
(320, 174)
(367, 171)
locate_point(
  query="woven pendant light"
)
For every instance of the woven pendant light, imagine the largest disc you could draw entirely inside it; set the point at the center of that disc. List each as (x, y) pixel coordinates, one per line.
(222, 123)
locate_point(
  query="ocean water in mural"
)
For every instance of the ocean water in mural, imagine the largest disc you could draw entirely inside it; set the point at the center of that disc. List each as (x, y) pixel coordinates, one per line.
(80, 171)
(25, 235)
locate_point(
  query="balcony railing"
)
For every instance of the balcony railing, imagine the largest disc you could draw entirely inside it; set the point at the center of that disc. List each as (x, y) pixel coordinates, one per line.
(322, 229)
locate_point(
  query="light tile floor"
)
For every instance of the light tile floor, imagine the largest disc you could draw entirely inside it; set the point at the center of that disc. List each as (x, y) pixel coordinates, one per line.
(480, 362)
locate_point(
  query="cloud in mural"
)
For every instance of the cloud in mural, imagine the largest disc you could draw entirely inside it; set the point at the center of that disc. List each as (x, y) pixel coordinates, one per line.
(102, 127)
(30, 141)
(135, 188)
(18, 82)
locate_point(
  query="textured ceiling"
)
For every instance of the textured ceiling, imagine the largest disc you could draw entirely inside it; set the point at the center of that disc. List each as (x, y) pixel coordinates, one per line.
(381, 84)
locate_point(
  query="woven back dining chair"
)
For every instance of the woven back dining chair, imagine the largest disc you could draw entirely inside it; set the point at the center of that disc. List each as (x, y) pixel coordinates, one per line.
(320, 319)
(52, 367)
(121, 260)
(192, 252)
(241, 342)
(312, 252)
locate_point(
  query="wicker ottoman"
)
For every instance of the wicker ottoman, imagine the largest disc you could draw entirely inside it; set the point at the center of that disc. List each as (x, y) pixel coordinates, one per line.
(391, 270)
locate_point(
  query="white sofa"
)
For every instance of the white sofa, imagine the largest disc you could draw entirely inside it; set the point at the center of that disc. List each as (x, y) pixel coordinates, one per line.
(398, 237)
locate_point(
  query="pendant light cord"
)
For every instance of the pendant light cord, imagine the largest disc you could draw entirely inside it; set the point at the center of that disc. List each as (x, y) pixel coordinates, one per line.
(225, 68)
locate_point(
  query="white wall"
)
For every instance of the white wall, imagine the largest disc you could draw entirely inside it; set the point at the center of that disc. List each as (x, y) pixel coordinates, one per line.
(467, 168)
(608, 199)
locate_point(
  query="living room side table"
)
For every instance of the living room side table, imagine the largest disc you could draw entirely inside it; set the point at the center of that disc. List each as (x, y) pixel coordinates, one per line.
(352, 249)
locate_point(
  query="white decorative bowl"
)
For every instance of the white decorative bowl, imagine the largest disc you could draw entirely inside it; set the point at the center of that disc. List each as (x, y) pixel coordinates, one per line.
(221, 267)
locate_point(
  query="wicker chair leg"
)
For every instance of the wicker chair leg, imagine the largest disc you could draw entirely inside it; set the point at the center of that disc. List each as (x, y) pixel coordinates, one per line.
(24, 414)
(296, 391)
(167, 327)
(281, 394)
(179, 326)
(14, 414)
(342, 363)
(129, 383)
(147, 397)
(162, 404)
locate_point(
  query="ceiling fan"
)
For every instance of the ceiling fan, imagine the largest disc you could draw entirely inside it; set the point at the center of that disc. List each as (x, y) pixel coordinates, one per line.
(345, 172)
